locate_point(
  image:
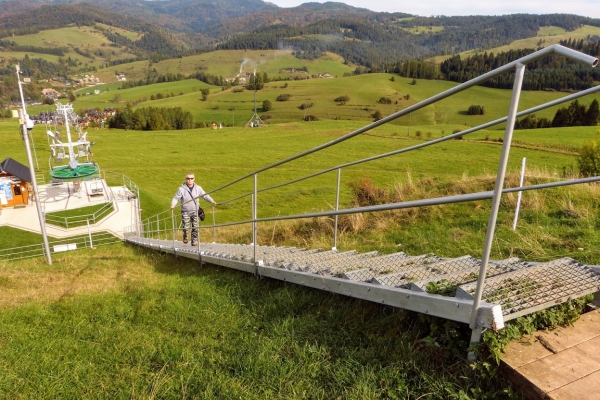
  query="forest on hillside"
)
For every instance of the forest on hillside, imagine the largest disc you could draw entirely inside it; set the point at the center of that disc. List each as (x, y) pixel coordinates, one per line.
(374, 42)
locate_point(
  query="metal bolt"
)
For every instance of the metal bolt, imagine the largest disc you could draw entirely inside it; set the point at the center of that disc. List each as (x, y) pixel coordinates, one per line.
(426, 311)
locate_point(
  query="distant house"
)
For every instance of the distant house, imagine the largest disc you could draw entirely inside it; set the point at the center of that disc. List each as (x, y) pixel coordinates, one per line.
(121, 76)
(50, 93)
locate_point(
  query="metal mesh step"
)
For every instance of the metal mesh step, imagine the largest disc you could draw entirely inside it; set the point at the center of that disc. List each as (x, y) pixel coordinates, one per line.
(430, 270)
(447, 284)
(388, 264)
(537, 285)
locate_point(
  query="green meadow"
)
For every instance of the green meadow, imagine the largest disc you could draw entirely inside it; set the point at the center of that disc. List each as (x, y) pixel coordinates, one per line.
(231, 63)
(122, 322)
(119, 321)
(316, 97)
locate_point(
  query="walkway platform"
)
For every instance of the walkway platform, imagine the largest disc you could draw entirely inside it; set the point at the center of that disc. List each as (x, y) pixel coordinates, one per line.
(65, 196)
(562, 364)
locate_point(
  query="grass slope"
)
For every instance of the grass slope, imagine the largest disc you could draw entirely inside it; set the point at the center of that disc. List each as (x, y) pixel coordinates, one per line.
(231, 107)
(121, 322)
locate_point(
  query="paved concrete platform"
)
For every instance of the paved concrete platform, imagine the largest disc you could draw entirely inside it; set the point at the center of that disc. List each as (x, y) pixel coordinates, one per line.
(68, 196)
(563, 364)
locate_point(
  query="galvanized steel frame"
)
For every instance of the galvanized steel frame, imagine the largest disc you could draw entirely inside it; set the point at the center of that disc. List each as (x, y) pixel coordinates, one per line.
(481, 315)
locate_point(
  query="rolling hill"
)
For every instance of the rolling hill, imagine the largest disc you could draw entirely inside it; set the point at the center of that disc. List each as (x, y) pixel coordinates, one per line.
(58, 42)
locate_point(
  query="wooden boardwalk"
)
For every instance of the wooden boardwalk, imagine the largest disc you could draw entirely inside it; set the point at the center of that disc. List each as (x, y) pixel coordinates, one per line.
(563, 364)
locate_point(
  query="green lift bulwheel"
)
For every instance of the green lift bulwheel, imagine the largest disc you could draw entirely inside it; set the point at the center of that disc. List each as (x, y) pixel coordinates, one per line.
(65, 172)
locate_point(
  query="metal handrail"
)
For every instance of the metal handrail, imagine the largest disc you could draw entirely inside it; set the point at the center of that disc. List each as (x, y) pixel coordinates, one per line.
(146, 227)
(94, 217)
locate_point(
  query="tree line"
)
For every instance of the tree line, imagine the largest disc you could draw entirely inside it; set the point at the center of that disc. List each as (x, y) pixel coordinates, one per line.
(553, 72)
(575, 114)
(152, 119)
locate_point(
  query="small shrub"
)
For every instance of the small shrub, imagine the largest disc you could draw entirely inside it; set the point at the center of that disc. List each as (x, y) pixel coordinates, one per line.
(476, 110)
(589, 159)
(283, 97)
(384, 100)
(377, 115)
(267, 105)
(304, 106)
(237, 90)
(342, 99)
(418, 134)
(310, 117)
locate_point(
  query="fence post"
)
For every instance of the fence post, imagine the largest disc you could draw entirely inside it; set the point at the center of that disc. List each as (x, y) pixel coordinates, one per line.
(214, 223)
(90, 233)
(254, 207)
(519, 195)
(337, 207)
(173, 227)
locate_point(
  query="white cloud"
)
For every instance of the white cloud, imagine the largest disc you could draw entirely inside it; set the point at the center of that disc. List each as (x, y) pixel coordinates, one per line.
(588, 8)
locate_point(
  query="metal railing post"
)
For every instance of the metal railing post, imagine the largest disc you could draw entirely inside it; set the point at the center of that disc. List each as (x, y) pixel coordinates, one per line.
(173, 227)
(518, 207)
(214, 225)
(497, 194)
(90, 233)
(254, 213)
(337, 207)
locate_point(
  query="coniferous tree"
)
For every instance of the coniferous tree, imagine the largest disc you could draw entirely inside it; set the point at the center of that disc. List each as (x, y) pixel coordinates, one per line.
(592, 115)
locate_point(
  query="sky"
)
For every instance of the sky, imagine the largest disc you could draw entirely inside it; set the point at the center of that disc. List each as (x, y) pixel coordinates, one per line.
(426, 8)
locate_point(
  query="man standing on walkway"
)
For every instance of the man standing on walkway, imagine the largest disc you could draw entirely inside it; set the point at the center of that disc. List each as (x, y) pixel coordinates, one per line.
(188, 194)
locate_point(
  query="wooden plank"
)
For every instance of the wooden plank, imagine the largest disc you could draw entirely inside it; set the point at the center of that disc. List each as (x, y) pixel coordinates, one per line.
(586, 388)
(558, 370)
(523, 352)
(584, 329)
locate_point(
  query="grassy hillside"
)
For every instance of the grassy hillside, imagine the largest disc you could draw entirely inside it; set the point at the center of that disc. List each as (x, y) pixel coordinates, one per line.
(231, 107)
(96, 47)
(141, 324)
(231, 63)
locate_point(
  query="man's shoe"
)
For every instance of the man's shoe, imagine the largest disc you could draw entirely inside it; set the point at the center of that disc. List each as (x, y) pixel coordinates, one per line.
(185, 241)
(194, 244)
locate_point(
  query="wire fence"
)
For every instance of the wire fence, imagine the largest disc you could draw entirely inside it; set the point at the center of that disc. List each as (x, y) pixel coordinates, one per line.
(91, 240)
